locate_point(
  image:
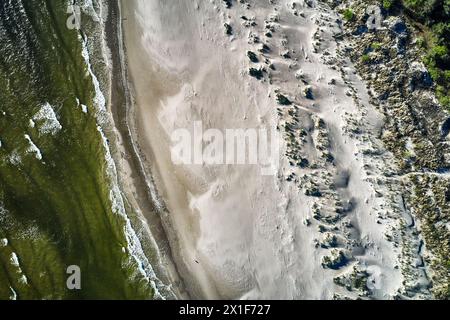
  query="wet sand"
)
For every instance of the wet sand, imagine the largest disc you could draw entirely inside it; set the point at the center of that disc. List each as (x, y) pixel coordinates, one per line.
(132, 176)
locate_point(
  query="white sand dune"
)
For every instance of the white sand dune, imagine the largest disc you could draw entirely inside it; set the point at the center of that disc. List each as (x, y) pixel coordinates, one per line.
(234, 232)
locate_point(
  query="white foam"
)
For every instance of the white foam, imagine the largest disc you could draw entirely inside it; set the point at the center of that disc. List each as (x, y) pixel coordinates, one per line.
(48, 123)
(14, 260)
(14, 158)
(134, 245)
(83, 107)
(99, 98)
(33, 148)
(23, 279)
(13, 294)
(134, 248)
(3, 242)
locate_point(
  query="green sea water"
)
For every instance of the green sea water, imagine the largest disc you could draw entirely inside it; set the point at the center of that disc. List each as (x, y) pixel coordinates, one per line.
(55, 193)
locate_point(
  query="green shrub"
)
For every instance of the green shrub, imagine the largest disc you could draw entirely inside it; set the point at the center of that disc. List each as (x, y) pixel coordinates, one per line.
(387, 4)
(348, 14)
(421, 8)
(447, 76)
(435, 15)
(365, 58)
(375, 46)
(421, 42)
(442, 96)
(439, 51)
(442, 32)
(434, 72)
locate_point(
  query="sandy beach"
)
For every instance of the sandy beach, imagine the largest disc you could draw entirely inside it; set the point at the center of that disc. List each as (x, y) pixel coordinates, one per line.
(233, 232)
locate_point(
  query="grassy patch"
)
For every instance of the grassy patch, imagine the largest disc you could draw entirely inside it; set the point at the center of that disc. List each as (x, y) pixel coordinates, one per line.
(375, 46)
(365, 58)
(435, 16)
(348, 14)
(387, 4)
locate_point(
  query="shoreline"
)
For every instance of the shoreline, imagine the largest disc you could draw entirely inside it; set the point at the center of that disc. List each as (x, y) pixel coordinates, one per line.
(134, 182)
(198, 286)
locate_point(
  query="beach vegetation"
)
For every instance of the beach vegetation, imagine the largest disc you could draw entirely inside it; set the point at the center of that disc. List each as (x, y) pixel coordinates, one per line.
(365, 58)
(433, 18)
(375, 46)
(387, 4)
(348, 14)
